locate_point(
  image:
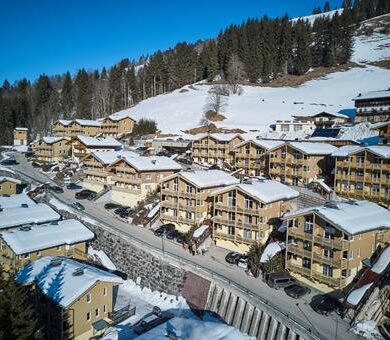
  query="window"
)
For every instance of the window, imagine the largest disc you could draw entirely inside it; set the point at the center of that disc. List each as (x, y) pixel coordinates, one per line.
(25, 256)
(38, 253)
(189, 189)
(88, 316)
(58, 248)
(89, 298)
(104, 309)
(247, 233)
(359, 173)
(348, 255)
(359, 186)
(188, 215)
(328, 253)
(346, 272)
(105, 291)
(327, 270)
(231, 230)
(97, 312)
(231, 216)
(308, 228)
(232, 199)
(329, 231)
(248, 202)
(306, 263)
(375, 189)
(306, 245)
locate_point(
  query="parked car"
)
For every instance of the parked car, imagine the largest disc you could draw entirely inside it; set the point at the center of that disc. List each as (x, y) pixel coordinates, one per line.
(9, 161)
(243, 261)
(324, 304)
(279, 280)
(296, 291)
(172, 234)
(57, 189)
(180, 238)
(85, 194)
(110, 206)
(78, 206)
(73, 186)
(184, 161)
(123, 210)
(164, 229)
(35, 165)
(232, 257)
(214, 167)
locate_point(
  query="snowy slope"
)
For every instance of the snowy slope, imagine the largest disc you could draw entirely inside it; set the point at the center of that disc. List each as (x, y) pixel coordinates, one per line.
(313, 17)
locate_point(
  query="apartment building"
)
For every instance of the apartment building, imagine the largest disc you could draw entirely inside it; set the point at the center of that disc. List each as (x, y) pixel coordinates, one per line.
(215, 148)
(294, 125)
(75, 299)
(51, 149)
(134, 177)
(245, 213)
(363, 173)
(185, 199)
(252, 156)
(324, 119)
(72, 128)
(373, 106)
(28, 243)
(299, 163)
(326, 244)
(384, 132)
(20, 136)
(117, 126)
(60, 128)
(9, 186)
(84, 145)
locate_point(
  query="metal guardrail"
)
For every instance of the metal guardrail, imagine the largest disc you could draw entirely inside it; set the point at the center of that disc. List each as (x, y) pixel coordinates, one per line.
(281, 315)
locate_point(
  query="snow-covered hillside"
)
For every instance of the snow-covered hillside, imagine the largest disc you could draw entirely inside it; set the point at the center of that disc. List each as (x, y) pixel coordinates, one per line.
(313, 17)
(258, 107)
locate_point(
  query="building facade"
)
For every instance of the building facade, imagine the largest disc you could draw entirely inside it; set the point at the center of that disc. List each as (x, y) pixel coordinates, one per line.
(245, 213)
(373, 106)
(325, 245)
(363, 173)
(299, 163)
(324, 119)
(9, 186)
(384, 132)
(184, 197)
(117, 127)
(294, 125)
(51, 149)
(84, 145)
(20, 136)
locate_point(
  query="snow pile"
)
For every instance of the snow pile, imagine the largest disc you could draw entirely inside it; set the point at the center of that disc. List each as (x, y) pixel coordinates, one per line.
(356, 295)
(367, 329)
(270, 251)
(357, 132)
(101, 257)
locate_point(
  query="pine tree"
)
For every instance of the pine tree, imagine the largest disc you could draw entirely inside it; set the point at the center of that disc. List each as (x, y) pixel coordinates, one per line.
(211, 61)
(67, 102)
(302, 58)
(83, 95)
(326, 7)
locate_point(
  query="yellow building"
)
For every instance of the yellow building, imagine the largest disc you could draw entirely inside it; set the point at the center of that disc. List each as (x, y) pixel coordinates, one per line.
(9, 186)
(61, 128)
(246, 213)
(19, 247)
(117, 125)
(325, 245)
(384, 131)
(185, 199)
(72, 294)
(252, 156)
(20, 136)
(51, 149)
(215, 148)
(363, 173)
(134, 177)
(299, 163)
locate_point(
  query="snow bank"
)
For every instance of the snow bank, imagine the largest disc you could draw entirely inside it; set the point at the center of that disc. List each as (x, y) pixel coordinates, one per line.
(367, 329)
(270, 251)
(102, 257)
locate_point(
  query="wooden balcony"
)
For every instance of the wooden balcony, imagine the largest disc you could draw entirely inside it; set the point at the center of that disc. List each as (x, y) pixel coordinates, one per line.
(184, 207)
(126, 179)
(95, 172)
(127, 190)
(187, 220)
(169, 204)
(295, 249)
(245, 240)
(224, 221)
(336, 243)
(223, 236)
(295, 232)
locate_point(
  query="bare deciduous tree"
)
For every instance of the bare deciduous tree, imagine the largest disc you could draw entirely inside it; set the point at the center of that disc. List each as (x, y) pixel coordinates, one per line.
(236, 72)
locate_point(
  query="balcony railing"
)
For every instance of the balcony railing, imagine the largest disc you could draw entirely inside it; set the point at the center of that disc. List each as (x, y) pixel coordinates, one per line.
(125, 179)
(295, 232)
(224, 236)
(336, 243)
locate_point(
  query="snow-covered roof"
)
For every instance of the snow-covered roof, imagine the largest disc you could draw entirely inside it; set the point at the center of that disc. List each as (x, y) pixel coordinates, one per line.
(266, 191)
(323, 113)
(222, 137)
(59, 283)
(117, 117)
(53, 139)
(108, 157)
(65, 122)
(208, 178)
(380, 125)
(382, 261)
(373, 94)
(152, 163)
(266, 144)
(9, 179)
(102, 257)
(322, 183)
(88, 122)
(199, 231)
(310, 148)
(15, 201)
(356, 295)
(352, 217)
(45, 236)
(19, 215)
(153, 211)
(270, 251)
(346, 150)
(100, 142)
(21, 129)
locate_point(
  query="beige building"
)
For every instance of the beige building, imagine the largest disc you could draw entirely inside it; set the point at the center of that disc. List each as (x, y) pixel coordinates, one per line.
(73, 128)
(9, 186)
(384, 131)
(19, 247)
(373, 106)
(215, 148)
(296, 125)
(299, 163)
(134, 177)
(20, 136)
(252, 156)
(117, 126)
(363, 173)
(71, 293)
(61, 128)
(325, 245)
(185, 197)
(245, 213)
(84, 145)
(51, 149)
(324, 119)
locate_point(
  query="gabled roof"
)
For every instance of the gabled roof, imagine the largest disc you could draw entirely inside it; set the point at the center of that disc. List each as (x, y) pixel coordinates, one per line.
(267, 144)
(352, 217)
(9, 179)
(64, 122)
(99, 142)
(266, 191)
(222, 137)
(323, 113)
(382, 151)
(153, 163)
(310, 148)
(373, 94)
(53, 139)
(108, 157)
(207, 178)
(88, 122)
(45, 236)
(116, 117)
(58, 282)
(377, 126)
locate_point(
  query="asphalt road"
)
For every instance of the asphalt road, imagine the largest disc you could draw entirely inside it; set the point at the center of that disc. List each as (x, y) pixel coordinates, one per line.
(331, 327)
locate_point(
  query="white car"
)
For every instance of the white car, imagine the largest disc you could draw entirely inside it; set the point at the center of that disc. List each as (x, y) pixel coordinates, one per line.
(243, 262)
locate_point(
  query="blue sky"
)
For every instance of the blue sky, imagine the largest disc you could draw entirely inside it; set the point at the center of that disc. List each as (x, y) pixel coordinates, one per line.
(55, 36)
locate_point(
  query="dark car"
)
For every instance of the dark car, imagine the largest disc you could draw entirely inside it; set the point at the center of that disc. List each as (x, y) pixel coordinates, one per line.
(172, 234)
(78, 206)
(184, 161)
(232, 257)
(73, 186)
(110, 206)
(324, 304)
(36, 165)
(85, 194)
(57, 189)
(296, 291)
(9, 161)
(180, 238)
(164, 229)
(123, 210)
(280, 279)
(214, 167)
